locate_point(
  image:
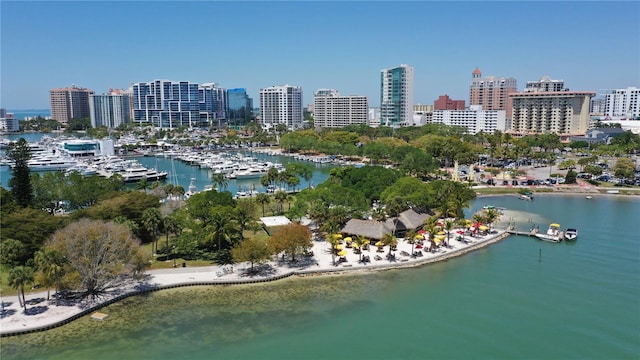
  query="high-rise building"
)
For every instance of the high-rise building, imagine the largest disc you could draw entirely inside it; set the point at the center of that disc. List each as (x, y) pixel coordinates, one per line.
(446, 103)
(332, 110)
(564, 113)
(69, 103)
(491, 92)
(474, 119)
(281, 105)
(396, 96)
(166, 104)
(110, 110)
(545, 84)
(622, 103)
(239, 111)
(212, 104)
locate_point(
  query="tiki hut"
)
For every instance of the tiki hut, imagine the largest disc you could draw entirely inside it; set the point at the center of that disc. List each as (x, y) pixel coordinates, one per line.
(370, 229)
(407, 220)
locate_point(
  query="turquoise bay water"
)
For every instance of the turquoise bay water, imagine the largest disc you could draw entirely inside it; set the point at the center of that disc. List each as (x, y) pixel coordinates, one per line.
(577, 300)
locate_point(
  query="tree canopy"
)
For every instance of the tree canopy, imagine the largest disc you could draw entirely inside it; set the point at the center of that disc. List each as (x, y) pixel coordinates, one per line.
(99, 252)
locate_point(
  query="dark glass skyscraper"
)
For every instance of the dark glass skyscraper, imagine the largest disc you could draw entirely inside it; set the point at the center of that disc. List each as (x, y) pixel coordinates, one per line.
(240, 105)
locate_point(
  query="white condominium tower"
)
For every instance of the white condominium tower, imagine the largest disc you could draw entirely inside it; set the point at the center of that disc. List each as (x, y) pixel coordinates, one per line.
(336, 111)
(623, 103)
(396, 96)
(281, 105)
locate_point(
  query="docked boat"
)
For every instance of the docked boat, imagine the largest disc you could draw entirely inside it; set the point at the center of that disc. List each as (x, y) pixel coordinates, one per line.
(132, 171)
(571, 234)
(249, 173)
(526, 196)
(553, 234)
(50, 163)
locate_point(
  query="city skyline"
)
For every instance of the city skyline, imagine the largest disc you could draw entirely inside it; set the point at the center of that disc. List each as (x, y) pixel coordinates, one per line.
(314, 45)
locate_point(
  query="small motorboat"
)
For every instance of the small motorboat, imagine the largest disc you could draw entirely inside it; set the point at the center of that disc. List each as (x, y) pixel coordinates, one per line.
(589, 197)
(552, 234)
(571, 234)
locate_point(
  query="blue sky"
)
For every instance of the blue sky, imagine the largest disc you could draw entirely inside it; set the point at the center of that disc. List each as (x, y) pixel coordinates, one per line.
(339, 45)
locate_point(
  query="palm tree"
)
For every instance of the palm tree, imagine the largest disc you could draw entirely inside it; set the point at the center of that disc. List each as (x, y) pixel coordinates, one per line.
(220, 228)
(360, 241)
(333, 241)
(50, 268)
(171, 225)
(151, 220)
(431, 229)
(220, 181)
(491, 216)
(448, 226)
(389, 240)
(263, 199)
(244, 215)
(280, 197)
(19, 277)
(410, 237)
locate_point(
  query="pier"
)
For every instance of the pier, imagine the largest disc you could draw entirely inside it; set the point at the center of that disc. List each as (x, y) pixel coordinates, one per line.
(531, 232)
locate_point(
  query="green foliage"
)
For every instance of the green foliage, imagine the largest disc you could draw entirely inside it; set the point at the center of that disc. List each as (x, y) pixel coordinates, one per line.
(20, 182)
(12, 252)
(593, 170)
(31, 228)
(78, 124)
(624, 168)
(200, 204)
(129, 205)
(571, 176)
(369, 180)
(7, 203)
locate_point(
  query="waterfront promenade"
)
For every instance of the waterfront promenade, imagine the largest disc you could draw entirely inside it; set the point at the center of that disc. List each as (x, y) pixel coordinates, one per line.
(42, 314)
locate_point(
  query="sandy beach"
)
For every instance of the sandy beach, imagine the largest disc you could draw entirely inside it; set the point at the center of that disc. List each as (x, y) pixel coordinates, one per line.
(42, 314)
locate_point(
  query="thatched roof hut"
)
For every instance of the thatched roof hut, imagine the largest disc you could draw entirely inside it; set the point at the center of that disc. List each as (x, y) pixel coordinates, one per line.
(371, 229)
(408, 219)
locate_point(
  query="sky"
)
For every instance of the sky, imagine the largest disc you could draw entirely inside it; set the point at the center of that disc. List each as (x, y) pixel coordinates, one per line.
(341, 45)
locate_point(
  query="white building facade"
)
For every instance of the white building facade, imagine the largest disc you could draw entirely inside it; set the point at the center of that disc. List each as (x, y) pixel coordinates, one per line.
(396, 96)
(622, 103)
(332, 110)
(109, 110)
(8, 123)
(474, 119)
(281, 105)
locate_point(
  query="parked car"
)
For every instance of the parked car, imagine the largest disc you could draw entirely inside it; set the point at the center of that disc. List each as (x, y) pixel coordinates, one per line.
(491, 182)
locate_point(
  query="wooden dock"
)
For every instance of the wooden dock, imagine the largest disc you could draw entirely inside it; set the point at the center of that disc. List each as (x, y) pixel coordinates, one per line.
(523, 233)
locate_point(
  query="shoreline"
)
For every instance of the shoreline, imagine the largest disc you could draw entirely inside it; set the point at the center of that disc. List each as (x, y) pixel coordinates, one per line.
(44, 315)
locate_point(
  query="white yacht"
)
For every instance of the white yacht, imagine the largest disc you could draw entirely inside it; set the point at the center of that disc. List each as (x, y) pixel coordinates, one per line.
(50, 163)
(249, 173)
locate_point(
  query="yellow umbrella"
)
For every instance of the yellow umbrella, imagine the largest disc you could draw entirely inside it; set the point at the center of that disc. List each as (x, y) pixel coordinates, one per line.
(367, 242)
(356, 246)
(483, 227)
(555, 225)
(440, 233)
(337, 236)
(439, 236)
(379, 243)
(419, 237)
(348, 239)
(468, 222)
(436, 240)
(342, 253)
(338, 247)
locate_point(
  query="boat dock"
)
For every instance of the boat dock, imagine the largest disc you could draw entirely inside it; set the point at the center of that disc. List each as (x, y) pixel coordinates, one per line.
(531, 232)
